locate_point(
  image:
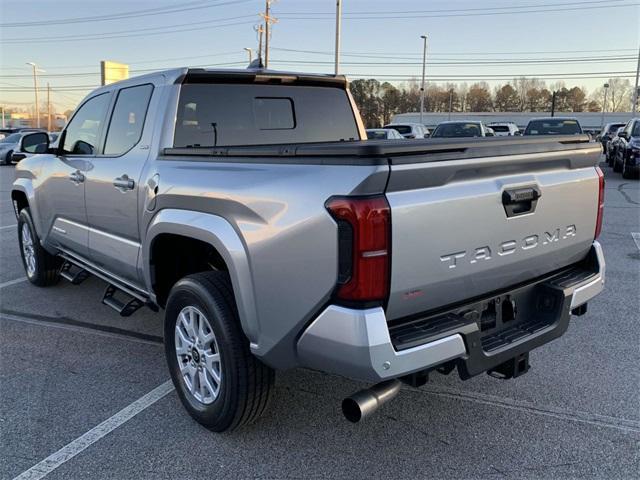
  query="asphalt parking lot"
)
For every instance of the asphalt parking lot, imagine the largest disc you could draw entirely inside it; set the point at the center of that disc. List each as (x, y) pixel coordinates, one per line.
(69, 363)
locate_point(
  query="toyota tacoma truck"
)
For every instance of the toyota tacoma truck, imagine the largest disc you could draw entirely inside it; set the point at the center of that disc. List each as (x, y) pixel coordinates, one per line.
(248, 205)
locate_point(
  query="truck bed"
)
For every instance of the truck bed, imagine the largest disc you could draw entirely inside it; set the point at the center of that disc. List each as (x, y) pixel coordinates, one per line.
(453, 235)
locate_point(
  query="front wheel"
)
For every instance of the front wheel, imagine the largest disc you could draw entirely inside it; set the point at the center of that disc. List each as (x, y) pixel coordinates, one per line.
(7, 158)
(220, 383)
(42, 268)
(617, 166)
(626, 172)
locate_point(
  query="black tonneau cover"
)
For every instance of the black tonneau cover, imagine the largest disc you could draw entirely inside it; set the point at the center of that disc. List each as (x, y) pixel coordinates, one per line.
(402, 151)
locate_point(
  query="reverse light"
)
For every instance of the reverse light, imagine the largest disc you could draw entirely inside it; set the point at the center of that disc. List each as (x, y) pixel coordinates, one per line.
(364, 242)
(600, 202)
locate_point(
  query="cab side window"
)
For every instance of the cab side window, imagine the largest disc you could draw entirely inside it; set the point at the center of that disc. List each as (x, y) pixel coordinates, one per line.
(81, 137)
(127, 120)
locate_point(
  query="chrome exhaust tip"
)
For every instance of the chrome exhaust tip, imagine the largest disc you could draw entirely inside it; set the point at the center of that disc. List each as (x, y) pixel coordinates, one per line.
(364, 403)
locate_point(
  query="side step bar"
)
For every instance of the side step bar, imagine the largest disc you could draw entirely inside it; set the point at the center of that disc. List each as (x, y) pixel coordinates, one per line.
(124, 308)
(76, 271)
(73, 273)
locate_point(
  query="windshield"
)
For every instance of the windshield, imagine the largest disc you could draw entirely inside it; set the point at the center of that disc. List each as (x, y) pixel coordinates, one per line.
(499, 128)
(13, 138)
(553, 127)
(636, 130)
(403, 129)
(449, 130)
(614, 127)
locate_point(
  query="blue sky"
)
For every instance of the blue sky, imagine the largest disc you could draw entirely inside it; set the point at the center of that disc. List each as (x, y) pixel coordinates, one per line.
(459, 31)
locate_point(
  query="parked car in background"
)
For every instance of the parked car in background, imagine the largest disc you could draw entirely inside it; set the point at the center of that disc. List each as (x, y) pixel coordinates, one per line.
(462, 129)
(409, 130)
(10, 144)
(383, 134)
(553, 126)
(627, 159)
(20, 154)
(607, 133)
(612, 146)
(504, 129)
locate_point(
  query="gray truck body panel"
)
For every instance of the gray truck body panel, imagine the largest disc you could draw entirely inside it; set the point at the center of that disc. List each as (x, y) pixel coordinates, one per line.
(263, 209)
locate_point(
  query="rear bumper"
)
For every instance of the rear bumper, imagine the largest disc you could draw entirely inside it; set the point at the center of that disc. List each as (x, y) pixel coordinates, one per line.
(360, 344)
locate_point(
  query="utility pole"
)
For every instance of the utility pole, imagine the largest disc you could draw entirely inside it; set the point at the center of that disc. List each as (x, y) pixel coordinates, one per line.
(48, 107)
(35, 89)
(450, 101)
(424, 66)
(260, 31)
(636, 92)
(338, 30)
(3, 126)
(268, 20)
(604, 105)
(553, 103)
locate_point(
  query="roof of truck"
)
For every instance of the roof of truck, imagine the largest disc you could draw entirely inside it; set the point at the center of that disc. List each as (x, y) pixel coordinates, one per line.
(204, 75)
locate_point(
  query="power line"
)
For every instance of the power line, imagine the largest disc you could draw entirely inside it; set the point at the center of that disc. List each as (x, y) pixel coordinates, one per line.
(478, 14)
(196, 5)
(484, 9)
(164, 31)
(395, 55)
(455, 62)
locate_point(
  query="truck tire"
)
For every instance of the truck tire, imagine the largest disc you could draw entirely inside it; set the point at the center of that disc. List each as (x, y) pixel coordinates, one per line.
(220, 383)
(617, 166)
(7, 158)
(626, 173)
(42, 268)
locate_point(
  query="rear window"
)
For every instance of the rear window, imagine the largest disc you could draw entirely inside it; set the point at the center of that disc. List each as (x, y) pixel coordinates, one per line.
(614, 127)
(499, 128)
(234, 114)
(402, 129)
(553, 127)
(451, 130)
(376, 135)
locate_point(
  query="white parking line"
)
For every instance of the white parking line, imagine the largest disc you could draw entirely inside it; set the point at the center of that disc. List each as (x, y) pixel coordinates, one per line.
(636, 238)
(72, 449)
(8, 226)
(12, 282)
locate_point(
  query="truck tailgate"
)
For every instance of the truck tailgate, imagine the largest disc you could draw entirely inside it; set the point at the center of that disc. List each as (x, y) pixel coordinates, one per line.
(462, 228)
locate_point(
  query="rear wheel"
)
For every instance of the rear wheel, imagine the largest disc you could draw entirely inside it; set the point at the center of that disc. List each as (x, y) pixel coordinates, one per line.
(220, 383)
(41, 267)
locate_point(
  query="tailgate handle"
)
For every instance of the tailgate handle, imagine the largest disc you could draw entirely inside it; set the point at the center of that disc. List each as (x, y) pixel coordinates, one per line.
(520, 201)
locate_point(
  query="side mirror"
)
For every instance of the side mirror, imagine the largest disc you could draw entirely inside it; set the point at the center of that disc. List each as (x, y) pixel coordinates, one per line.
(37, 142)
(623, 135)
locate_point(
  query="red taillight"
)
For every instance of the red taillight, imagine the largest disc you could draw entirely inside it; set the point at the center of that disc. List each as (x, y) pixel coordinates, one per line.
(600, 202)
(364, 230)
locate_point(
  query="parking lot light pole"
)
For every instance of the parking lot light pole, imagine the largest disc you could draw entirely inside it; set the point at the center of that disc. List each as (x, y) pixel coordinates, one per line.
(604, 105)
(636, 92)
(250, 52)
(424, 66)
(338, 31)
(450, 101)
(35, 89)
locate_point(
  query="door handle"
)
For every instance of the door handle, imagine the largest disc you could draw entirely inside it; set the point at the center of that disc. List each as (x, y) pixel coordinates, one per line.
(124, 183)
(76, 177)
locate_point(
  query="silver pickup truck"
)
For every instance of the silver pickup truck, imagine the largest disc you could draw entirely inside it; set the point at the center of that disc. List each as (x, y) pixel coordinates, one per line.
(248, 206)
